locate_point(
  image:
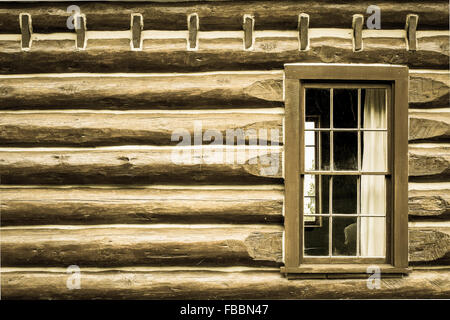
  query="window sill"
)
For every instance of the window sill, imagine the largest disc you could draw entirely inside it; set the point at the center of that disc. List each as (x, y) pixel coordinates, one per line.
(327, 271)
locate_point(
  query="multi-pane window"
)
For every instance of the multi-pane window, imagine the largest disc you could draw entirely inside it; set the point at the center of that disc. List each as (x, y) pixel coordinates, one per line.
(345, 175)
(345, 168)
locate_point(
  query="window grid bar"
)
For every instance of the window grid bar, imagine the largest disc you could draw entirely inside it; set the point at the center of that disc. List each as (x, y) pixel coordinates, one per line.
(346, 215)
(347, 129)
(348, 173)
(330, 219)
(331, 132)
(343, 257)
(359, 129)
(358, 213)
(358, 181)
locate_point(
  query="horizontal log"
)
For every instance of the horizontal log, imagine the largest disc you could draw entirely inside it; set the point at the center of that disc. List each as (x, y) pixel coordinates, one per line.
(78, 128)
(429, 89)
(271, 50)
(28, 283)
(155, 245)
(153, 128)
(428, 125)
(149, 165)
(141, 165)
(193, 91)
(429, 200)
(143, 91)
(429, 160)
(429, 243)
(223, 15)
(178, 204)
(124, 245)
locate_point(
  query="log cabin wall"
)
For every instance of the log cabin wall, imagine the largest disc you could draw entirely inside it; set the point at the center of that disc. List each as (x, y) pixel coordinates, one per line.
(87, 117)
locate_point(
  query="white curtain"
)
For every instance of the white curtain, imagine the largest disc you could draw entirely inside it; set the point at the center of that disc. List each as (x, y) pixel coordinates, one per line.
(373, 188)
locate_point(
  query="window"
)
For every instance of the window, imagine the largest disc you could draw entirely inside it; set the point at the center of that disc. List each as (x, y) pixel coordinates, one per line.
(346, 169)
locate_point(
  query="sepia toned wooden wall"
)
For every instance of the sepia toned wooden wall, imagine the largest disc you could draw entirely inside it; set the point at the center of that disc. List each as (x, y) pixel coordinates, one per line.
(86, 167)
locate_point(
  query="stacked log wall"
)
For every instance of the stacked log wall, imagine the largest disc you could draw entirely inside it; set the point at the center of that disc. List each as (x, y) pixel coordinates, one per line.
(86, 145)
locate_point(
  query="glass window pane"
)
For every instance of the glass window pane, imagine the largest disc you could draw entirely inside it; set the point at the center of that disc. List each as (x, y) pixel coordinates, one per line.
(316, 239)
(310, 158)
(324, 195)
(317, 155)
(345, 150)
(309, 205)
(345, 194)
(324, 142)
(373, 109)
(310, 139)
(373, 237)
(374, 151)
(309, 185)
(317, 103)
(373, 195)
(344, 236)
(345, 108)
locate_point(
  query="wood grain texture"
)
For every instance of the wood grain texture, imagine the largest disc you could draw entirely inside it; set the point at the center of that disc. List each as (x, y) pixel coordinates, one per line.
(428, 89)
(357, 26)
(186, 245)
(224, 15)
(144, 165)
(429, 160)
(93, 205)
(255, 245)
(154, 91)
(203, 284)
(429, 125)
(78, 128)
(269, 52)
(411, 27)
(429, 245)
(141, 165)
(26, 31)
(429, 200)
(95, 129)
(303, 35)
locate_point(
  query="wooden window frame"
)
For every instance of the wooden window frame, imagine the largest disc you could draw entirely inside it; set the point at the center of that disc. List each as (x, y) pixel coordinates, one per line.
(296, 75)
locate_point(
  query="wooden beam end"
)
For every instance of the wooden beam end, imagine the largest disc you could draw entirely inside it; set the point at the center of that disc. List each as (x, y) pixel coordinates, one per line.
(26, 29)
(137, 25)
(193, 28)
(357, 25)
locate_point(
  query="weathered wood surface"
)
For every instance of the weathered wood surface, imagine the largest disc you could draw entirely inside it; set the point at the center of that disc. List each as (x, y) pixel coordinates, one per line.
(94, 205)
(195, 245)
(428, 89)
(433, 125)
(209, 204)
(429, 160)
(141, 165)
(429, 200)
(147, 165)
(78, 128)
(223, 15)
(429, 243)
(270, 51)
(46, 283)
(197, 90)
(125, 245)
